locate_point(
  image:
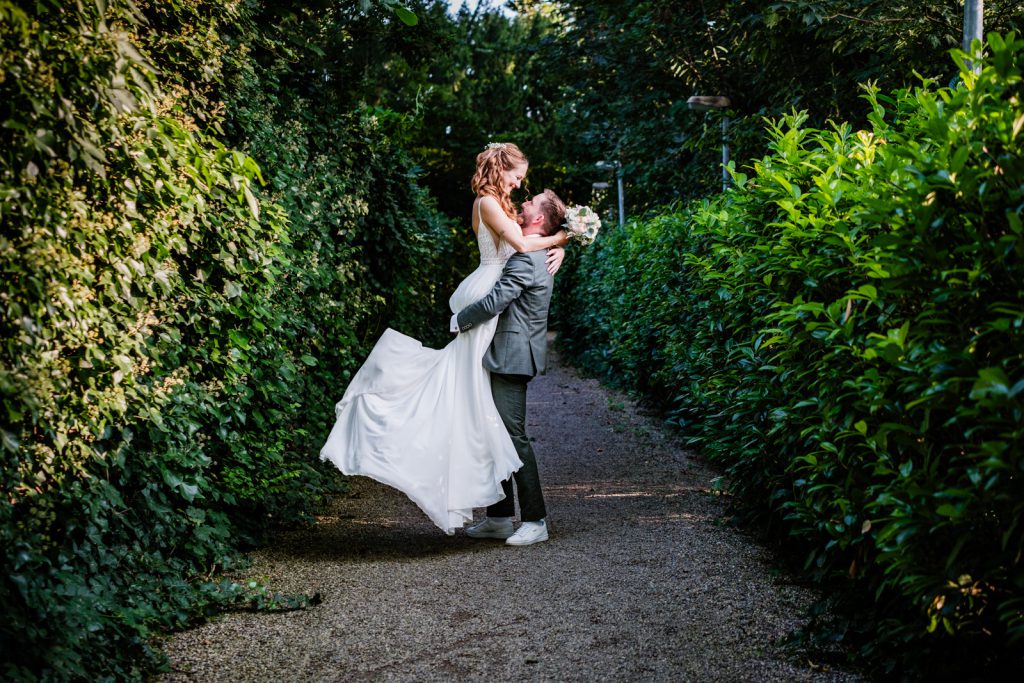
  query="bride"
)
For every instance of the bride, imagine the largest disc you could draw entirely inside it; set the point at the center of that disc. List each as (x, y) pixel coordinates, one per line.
(423, 420)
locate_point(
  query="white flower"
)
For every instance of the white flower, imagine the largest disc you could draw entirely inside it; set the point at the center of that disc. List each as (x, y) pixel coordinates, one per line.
(582, 224)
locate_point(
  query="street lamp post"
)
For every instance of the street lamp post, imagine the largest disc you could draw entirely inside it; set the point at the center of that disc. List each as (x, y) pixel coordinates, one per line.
(600, 187)
(721, 103)
(617, 165)
(974, 18)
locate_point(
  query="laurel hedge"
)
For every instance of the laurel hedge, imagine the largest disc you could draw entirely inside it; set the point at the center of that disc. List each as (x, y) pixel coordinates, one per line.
(843, 332)
(176, 320)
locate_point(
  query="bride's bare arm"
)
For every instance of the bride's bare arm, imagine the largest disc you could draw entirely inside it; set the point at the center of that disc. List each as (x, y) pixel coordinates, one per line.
(555, 258)
(510, 231)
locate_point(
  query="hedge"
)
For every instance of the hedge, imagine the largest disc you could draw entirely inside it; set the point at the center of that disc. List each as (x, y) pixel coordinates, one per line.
(843, 332)
(177, 317)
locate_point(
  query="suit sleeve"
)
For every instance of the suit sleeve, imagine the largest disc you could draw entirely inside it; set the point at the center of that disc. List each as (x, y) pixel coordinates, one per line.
(516, 277)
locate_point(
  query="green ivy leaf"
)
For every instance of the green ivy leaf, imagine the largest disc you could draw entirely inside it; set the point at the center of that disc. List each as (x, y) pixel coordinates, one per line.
(407, 17)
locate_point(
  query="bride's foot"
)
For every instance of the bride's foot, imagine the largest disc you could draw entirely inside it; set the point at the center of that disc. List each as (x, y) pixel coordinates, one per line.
(491, 527)
(529, 533)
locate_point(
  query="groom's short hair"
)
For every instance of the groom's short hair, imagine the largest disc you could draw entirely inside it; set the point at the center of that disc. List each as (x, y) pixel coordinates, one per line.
(554, 212)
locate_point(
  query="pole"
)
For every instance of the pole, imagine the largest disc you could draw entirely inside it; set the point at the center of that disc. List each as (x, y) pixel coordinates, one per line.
(622, 200)
(725, 152)
(722, 104)
(617, 165)
(974, 20)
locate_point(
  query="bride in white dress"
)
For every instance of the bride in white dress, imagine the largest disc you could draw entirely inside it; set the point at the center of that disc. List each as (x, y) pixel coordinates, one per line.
(422, 420)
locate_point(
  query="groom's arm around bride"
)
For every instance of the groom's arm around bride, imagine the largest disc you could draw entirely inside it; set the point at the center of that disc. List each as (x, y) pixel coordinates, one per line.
(518, 352)
(519, 346)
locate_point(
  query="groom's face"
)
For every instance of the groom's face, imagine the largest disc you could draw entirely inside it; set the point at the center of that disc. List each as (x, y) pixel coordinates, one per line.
(533, 211)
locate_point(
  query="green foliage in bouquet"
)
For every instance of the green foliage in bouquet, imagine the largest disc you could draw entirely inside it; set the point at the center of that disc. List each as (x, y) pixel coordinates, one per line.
(843, 332)
(177, 319)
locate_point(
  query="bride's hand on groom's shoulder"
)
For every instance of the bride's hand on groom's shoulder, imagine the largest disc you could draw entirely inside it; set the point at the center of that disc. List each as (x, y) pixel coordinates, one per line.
(555, 257)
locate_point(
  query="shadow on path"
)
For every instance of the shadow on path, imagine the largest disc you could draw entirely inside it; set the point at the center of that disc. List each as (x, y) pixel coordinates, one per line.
(639, 581)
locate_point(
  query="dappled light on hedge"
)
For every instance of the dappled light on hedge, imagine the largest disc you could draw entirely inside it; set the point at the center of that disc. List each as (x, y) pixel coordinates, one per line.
(177, 317)
(843, 333)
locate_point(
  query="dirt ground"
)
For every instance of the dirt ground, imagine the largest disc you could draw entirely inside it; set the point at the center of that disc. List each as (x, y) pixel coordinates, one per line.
(641, 580)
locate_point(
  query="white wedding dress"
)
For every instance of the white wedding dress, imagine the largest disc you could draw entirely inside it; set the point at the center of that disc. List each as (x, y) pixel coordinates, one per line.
(423, 421)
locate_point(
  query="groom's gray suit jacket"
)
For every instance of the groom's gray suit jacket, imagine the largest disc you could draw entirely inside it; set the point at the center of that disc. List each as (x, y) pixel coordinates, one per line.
(521, 296)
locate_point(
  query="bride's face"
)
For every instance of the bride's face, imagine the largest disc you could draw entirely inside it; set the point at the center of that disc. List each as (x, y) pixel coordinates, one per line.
(513, 178)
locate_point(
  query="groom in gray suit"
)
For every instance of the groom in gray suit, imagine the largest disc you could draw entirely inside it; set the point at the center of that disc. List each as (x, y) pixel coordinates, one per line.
(516, 355)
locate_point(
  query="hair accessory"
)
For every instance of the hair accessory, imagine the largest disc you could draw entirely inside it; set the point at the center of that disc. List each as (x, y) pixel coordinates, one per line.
(496, 145)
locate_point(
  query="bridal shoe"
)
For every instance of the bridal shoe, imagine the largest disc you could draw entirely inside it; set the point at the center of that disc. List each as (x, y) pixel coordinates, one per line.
(491, 527)
(529, 533)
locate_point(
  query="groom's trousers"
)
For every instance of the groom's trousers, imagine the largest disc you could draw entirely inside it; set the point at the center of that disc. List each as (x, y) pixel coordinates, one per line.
(509, 393)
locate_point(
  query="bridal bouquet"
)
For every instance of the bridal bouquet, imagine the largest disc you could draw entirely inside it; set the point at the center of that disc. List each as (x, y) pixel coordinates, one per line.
(582, 224)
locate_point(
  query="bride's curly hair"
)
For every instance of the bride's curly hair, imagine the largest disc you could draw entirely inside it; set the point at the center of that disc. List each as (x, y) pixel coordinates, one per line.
(490, 163)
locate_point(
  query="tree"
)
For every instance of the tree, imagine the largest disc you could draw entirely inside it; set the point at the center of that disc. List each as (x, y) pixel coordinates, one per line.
(628, 69)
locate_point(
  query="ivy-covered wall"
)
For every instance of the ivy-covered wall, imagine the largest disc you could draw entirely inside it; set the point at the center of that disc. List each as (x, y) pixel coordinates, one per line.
(194, 256)
(843, 331)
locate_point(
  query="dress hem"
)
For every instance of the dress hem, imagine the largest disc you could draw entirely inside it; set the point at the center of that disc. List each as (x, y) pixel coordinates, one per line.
(450, 531)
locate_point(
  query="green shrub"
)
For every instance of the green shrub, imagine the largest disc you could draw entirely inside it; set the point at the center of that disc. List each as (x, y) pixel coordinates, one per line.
(174, 333)
(843, 333)
(366, 248)
(115, 369)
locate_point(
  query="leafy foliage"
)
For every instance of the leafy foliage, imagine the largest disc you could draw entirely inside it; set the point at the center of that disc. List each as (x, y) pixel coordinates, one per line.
(176, 320)
(626, 70)
(210, 210)
(842, 332)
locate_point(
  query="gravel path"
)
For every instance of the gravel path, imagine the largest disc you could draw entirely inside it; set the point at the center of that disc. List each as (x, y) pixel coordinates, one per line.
(640, 581)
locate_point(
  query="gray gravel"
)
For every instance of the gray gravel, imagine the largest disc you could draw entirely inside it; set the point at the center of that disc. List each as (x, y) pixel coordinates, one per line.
(640, 581)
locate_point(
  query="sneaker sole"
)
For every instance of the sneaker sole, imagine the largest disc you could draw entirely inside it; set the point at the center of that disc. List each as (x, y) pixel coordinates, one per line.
(539, 539)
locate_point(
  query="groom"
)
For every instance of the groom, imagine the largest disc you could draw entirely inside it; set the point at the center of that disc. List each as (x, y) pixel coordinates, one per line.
(516, 355)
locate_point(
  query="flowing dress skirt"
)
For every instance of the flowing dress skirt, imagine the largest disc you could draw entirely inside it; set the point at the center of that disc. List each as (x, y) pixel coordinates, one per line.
(423, 420)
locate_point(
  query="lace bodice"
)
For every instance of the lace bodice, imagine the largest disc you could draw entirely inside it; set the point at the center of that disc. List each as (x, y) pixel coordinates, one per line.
(489, 253)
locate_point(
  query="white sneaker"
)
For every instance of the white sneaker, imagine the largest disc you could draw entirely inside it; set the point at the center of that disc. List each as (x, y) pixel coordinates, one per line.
(529, 533)
(491, 527)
